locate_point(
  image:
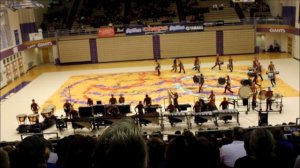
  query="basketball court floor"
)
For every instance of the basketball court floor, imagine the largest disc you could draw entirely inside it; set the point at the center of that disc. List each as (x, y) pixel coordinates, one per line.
(52, 85)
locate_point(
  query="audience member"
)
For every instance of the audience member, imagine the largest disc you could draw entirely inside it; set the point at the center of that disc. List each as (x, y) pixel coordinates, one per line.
(4, 159)
(121, 145)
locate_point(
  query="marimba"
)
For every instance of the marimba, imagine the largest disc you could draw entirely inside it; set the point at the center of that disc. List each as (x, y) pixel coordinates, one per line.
(228, 112)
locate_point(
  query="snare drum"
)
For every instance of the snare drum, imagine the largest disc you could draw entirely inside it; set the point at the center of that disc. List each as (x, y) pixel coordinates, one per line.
(221, 80)
(245, 92)
(246, 82)
(33, 118)
(21, 118)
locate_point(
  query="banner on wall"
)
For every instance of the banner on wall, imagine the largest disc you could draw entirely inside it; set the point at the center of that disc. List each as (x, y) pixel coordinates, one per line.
(35, 36)
(106, 32)
(164, 28)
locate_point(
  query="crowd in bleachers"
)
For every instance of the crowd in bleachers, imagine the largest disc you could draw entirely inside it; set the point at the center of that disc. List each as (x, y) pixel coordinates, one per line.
(124, 145)
(257, 9)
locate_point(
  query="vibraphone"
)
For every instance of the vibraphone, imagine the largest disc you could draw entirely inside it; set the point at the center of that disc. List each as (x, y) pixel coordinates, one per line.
(228, 112)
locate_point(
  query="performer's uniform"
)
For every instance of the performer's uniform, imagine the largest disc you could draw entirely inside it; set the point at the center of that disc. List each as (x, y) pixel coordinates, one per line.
(140, 108)
(157, 68)
(259, 71)
(147, 101)
(35, 107)
(121, 100)
(228, 86)
(269, 95)
(225, 105)
(67, 108)
(271, 69)
(181, 67)
(113, 100)
(230, 64)
(197, 64)
(201, 82)
(174, 66)
(217, 63)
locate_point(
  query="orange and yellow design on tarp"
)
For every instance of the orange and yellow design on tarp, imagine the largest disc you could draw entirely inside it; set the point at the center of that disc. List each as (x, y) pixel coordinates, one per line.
(135, 85)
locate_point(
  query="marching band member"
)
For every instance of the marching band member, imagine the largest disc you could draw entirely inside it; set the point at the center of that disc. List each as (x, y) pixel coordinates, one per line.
(67, 107)
(273, 79)
(139, 108)
(269, 95)
(113, 100)
(271, 67)
(254, 95)
(259, 70)
(201, 82)
(181, 66)
(230, 64)
(212, 96)
(197, 64)
(218, 62)
(34, 107)
(174, 66)
(175, 98)
(147, 100)
(121, 99)
(228, 85)
(90, 102)
(157, 68)
(225, 105)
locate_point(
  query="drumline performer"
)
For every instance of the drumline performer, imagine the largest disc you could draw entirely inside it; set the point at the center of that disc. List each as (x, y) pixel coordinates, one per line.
(269, 95)
(201, 82)
(255, 74)
(212, 96)
(273, 78)
(230, 64)
(67, 108)
(34, 107)
(254, 94)
(259, 70)
(255, 62)
(271, 67)
(218, 62)
(196, 64)
(90, 102)
(139, 108)
(225, 105)
(121, 99)
(113, 100)
(181, 66)
(174, 66)
(157, 68)
(228, 85)
(147, 100)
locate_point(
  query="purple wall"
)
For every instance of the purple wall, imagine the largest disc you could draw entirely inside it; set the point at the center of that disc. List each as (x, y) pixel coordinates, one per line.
(156, 46)
(219, 37)
(27, 28)
(290, 13)
(93, 50)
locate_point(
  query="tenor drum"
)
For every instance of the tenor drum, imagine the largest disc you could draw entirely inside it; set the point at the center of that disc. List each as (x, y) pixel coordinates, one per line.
(21, 118)
(244, 92)
(196, 79)
(262, 94)
(221, 80)
(33, 118)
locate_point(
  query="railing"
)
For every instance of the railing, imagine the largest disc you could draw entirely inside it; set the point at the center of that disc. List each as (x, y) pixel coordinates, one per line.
(270, 20)
(246, 21)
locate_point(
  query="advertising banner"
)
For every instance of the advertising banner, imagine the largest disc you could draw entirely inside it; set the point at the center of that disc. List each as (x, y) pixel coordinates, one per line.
(106, 32)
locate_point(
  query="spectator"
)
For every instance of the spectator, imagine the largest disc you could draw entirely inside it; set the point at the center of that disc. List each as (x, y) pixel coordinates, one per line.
(4, 160)
(121, 145)
(156, 152)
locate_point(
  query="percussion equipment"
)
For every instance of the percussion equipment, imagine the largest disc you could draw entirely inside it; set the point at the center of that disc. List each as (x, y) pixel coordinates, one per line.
(277, 96)
(221, 80)
(33, 118)
(270, 75)
(246, 82)
(245, 92)
(47, 113)
(251, 73)
(196, 79)
(262, 94)
(21, 118)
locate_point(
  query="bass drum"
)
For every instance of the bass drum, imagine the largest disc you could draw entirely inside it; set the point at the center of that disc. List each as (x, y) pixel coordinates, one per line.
(221, 81)
(245, 92)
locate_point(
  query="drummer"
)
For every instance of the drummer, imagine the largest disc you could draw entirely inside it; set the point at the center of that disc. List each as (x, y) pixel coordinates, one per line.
(225, 105)
(67, 107)
(230, 64)
(201, 82)
(273, 79)
(34, 107)
(218, 62)
(269, 95)
(254, 95)
(271, 67)
(228, 85)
